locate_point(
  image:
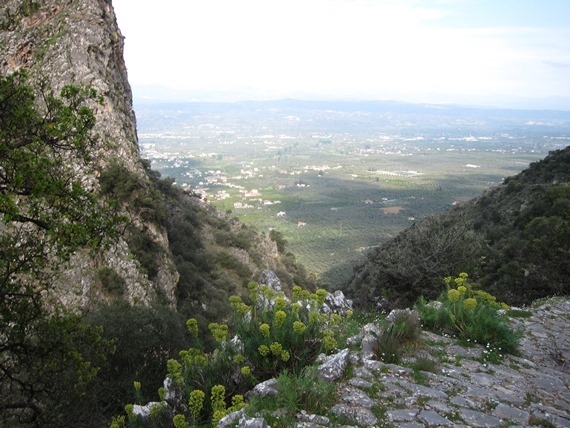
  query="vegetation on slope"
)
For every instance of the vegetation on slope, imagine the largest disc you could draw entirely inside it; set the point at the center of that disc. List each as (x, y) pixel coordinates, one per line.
(56, 365)
(47, 354)
(515, 239)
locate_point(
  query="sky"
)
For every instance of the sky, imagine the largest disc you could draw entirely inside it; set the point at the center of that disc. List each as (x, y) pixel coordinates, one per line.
(496, 53)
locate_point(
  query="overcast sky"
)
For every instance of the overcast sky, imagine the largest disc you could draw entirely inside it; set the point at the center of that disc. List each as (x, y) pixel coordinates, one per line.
(507, 53)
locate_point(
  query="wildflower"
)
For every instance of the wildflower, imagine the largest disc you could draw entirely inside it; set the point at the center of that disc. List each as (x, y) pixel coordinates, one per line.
(470, 304)
(349, 313)
(280, 303)
(234, 300)
(245, 370)
(285, 356)
(193, 356)
(239, 359)
(129, 410)
(218, 398)
(253, 288)
(299, 327)
(238, 306)
(219, 331)
(295, 308)
(264, 329)
(192, 326)
(179, 421)
(196, 402)
(280, 317)
(137, 385)
(453, 295)
(329, 342)
(238, 402)
(314, 317)
(263, 350)
(217, 416)
(276, 348)
(462, 290)
(321, 295)
(174, 371)
(297, 292)
(268, 293)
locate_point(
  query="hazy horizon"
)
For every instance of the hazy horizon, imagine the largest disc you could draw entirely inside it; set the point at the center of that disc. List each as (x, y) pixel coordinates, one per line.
(508, 54)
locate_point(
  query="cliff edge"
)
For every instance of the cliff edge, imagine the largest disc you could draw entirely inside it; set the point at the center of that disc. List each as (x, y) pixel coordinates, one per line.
(61, 42)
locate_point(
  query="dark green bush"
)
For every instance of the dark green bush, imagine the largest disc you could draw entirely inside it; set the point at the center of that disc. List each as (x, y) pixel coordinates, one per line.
(111, 281)
(144, 338)
(146, 251)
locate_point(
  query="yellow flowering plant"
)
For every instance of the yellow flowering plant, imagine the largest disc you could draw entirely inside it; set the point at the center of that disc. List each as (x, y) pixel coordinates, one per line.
(471, 313)
(272, 334)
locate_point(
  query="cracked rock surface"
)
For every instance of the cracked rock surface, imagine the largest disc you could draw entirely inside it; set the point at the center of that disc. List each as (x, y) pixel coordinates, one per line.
(467, 389)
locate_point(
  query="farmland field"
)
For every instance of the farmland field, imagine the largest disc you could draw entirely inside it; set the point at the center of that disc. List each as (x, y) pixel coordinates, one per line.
(337, 179)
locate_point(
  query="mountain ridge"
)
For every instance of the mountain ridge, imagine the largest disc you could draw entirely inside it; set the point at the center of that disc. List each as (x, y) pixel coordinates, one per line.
(513, 239)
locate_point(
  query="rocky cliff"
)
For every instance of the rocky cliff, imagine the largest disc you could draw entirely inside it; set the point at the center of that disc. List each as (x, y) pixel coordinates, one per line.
(78, 42)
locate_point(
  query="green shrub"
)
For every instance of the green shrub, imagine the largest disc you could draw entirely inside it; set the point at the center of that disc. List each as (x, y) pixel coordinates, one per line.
(398, 334)
(304, 391)
(111, 281)
(287, 336)
(146, 200)
(146, 250)
(470, 314)
(144, 339)
(228, 261)
(274, 336)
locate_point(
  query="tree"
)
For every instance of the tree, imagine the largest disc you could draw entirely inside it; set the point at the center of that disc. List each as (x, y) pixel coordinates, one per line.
(46, 214)
(411, 264)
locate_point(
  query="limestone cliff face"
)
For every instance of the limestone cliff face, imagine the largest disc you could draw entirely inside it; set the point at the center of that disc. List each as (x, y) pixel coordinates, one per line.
(78, 42)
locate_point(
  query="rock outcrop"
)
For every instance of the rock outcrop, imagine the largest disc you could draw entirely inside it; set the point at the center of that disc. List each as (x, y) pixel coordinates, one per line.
(465, 389)
(60, 42)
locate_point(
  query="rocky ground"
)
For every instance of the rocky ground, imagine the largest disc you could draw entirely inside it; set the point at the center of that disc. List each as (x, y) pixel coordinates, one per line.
(465, 389)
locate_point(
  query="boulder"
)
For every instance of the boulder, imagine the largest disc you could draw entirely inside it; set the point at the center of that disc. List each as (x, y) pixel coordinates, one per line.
(269, 278)
(334, 366)
(269, 388)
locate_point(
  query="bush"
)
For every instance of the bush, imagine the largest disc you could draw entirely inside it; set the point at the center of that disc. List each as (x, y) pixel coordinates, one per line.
(304, 391)
(144, 338)
(470, 314)
(401, 331)
(146, 250)
(273, 336)
(111, 281)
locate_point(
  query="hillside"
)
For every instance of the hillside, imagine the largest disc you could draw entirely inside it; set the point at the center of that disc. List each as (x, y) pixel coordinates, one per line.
(101, 261)
(514, 240)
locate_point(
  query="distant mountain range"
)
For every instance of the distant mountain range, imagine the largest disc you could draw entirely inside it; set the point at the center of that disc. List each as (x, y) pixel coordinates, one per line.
(166, 94)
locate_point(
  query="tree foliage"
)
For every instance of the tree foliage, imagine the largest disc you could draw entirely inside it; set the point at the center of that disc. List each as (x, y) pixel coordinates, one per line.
(514, 239)
(46, 355)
